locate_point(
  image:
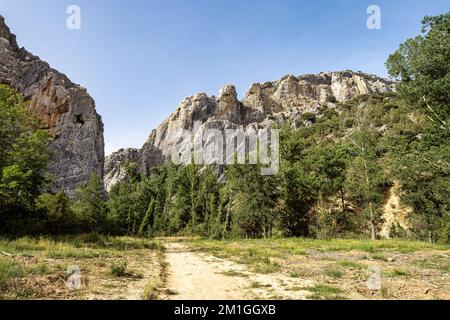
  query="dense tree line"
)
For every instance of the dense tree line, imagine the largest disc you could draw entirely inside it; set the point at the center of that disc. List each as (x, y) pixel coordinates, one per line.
(336, 168)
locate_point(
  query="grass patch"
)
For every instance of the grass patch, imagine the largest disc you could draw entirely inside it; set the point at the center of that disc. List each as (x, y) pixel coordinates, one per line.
(257, 285)
(268, 255)
(296, 288)
(164, 264)
(398, 273)
(80, 246)
(10, 271)
(266, 268)
(36, 266)
(70, 253)
(379, 257)
(260, 261)
(256, 252)
(351, 264)
(445, 268)
(325, 292)
(324, 289)
(38, 269)
(24, 293)
(297, 246)
(439, 263)
(150, 290)
(385, 293)
(334, 273)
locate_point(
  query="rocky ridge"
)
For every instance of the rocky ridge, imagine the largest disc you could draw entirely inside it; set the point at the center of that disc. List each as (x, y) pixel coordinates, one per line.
(264, 104)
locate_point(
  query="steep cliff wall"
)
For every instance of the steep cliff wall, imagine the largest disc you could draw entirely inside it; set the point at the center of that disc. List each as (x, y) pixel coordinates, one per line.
(65, 109)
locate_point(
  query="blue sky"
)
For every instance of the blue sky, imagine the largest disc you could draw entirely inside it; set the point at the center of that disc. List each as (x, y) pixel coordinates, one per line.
(140, 58)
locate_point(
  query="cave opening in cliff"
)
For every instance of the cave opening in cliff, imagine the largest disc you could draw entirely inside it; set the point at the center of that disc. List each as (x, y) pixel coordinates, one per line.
(79, 119)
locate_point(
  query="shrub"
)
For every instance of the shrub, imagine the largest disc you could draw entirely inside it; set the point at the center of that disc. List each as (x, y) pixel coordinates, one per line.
(330, 113)
(309, 116)
(150, 291)
(331, 98)
(349, 122)
(118, 269)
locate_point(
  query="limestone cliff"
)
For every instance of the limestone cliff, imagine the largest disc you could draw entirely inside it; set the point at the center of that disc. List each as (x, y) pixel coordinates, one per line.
(64, 108)
(264, 104)
(115, 166)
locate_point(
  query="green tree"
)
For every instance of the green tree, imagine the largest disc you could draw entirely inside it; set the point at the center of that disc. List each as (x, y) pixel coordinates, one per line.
(23, 161)
(329, 163)
(422, 163)
(90, 206)
(298, 185)
(120, 210)
(148, 220)
(365, 177)
(424, 172)
(208, 200)
(422, 66)
(59, 215)
(250, 202)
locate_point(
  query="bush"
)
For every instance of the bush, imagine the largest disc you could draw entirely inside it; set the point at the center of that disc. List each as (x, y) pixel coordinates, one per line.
(331, 98)
(309, 116)
(330, 113)
(118, 269)
(378, 122)
(349, 122)
(150, 291)
(388, 106)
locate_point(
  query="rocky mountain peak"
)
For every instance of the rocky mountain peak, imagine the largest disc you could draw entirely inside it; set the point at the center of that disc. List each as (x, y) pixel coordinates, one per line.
(5, 34)
(229, 107)
(228, 91)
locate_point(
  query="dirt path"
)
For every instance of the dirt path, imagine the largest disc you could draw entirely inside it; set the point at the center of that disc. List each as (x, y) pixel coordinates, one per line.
(196, 276)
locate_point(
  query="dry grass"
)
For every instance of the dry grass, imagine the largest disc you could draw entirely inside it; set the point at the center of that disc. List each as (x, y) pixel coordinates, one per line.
(409, 269)
(36, 268)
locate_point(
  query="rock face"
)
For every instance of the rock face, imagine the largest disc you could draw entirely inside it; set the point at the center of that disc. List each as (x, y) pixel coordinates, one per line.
(115, 166)
(65, 109)
(264, 104)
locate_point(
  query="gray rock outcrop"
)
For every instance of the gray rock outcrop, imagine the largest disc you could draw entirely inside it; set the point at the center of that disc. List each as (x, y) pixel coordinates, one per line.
(64, 108)
(115, 163)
